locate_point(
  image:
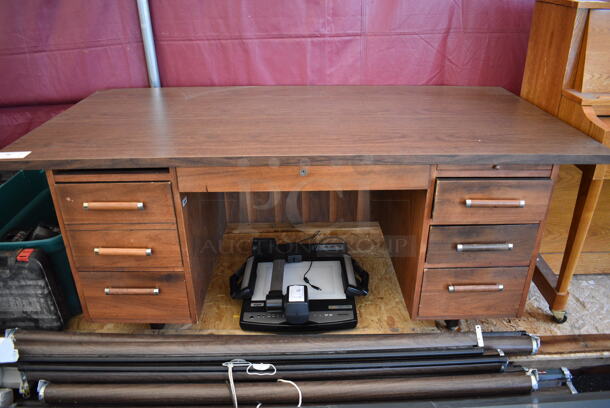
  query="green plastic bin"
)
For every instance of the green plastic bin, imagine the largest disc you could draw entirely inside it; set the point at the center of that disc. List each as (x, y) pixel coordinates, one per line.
(25, 201)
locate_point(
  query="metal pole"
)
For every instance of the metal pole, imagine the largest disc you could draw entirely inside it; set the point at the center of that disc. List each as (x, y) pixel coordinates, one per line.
(149, 44)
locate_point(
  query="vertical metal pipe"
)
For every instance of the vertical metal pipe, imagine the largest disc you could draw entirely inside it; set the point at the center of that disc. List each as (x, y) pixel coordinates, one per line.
(149, 44)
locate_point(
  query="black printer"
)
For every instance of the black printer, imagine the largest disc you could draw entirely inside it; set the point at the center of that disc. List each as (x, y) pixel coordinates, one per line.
(298, 286)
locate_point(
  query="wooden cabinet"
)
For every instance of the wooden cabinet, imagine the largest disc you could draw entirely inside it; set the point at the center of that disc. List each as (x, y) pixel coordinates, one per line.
(128, 245)
(483, 239)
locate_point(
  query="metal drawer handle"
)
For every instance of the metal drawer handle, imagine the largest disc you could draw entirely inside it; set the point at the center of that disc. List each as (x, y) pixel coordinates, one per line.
(484, 247)
(113, 206)
(123, 251)
(495, 203)
(132, 291)
(498, 287)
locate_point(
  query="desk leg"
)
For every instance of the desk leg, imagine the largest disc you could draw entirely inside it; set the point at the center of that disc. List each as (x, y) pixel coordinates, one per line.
(555, 290)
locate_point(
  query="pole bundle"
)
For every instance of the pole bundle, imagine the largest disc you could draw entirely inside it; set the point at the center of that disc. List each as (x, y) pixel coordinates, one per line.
(161, 370)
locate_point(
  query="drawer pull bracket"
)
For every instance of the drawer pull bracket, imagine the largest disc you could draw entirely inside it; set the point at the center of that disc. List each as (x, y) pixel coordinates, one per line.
(484, 247)
(132, 291)
(470, 203)
(123, 251)
(113, 206)
(498, 287)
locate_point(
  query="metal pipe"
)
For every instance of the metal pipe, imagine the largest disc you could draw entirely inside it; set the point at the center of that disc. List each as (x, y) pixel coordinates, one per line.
(199, 352)
(156, 366)
(148, 40)
(278, 392)
(508, 342)
(118, 377)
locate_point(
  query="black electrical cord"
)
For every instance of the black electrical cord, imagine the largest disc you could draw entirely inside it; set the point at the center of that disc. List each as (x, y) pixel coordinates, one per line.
(306, 279)
(313, 236)
(325, 239)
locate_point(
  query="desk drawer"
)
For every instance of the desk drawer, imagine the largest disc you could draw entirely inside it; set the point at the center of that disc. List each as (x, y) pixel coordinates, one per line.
(491, 201)
(92, 203)
(303, 178)
(151, 297)
(472, 292)
(481, 245)
(104, 247)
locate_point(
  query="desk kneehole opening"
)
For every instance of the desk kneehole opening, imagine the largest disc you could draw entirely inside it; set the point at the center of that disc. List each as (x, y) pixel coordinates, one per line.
(496, 287)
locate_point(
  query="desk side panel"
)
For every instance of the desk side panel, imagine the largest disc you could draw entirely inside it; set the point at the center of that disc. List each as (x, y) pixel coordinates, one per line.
(64, 234)
(201, 222)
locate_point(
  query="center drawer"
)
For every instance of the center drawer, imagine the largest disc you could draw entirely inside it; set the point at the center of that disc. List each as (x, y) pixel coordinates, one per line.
(101, 247)
(461, 293)
(100, 203)
(152, 297)
(480, 201)
(481, 245)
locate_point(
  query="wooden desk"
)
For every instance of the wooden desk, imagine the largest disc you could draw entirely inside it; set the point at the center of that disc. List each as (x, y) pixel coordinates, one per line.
(459, 178)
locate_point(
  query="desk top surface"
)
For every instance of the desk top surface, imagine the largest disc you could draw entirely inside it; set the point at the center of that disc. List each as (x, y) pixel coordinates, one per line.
(182, 127)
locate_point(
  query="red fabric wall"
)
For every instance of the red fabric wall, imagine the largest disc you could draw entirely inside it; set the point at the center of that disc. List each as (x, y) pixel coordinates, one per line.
(236, 42)
(56, 52)
(60, 51)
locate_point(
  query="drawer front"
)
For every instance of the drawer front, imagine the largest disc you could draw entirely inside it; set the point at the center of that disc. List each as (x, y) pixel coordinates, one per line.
(481, 245)
(494, 170)
(147, 297)
(490, 201)
(125, 248)
(471, 292)
(303, 178)
(92, 203)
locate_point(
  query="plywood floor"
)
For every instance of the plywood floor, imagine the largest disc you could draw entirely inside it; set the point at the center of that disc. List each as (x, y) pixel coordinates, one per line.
(596, 253)
(383, 311)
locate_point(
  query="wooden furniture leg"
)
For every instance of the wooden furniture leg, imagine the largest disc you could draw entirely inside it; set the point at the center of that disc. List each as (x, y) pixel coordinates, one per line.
(555, 290)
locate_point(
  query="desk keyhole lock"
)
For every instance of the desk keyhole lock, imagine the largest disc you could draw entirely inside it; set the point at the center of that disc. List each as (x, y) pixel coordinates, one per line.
(303, 172)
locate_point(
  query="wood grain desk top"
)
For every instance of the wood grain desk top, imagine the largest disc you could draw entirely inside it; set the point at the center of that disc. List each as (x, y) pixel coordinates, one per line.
(181, 127)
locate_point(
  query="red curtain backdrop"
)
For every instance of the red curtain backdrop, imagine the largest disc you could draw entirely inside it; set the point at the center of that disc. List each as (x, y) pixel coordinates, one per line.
(439, 42)
(58, 52)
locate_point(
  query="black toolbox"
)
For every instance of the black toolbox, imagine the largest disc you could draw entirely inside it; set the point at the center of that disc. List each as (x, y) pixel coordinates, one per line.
(29, 294)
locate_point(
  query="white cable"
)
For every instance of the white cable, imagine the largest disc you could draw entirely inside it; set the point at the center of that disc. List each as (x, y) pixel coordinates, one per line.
(295, 386)
(232, 384)
(262, 367)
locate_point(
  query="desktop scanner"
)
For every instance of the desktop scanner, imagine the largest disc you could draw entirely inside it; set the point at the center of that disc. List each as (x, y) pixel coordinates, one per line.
(298, 286)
